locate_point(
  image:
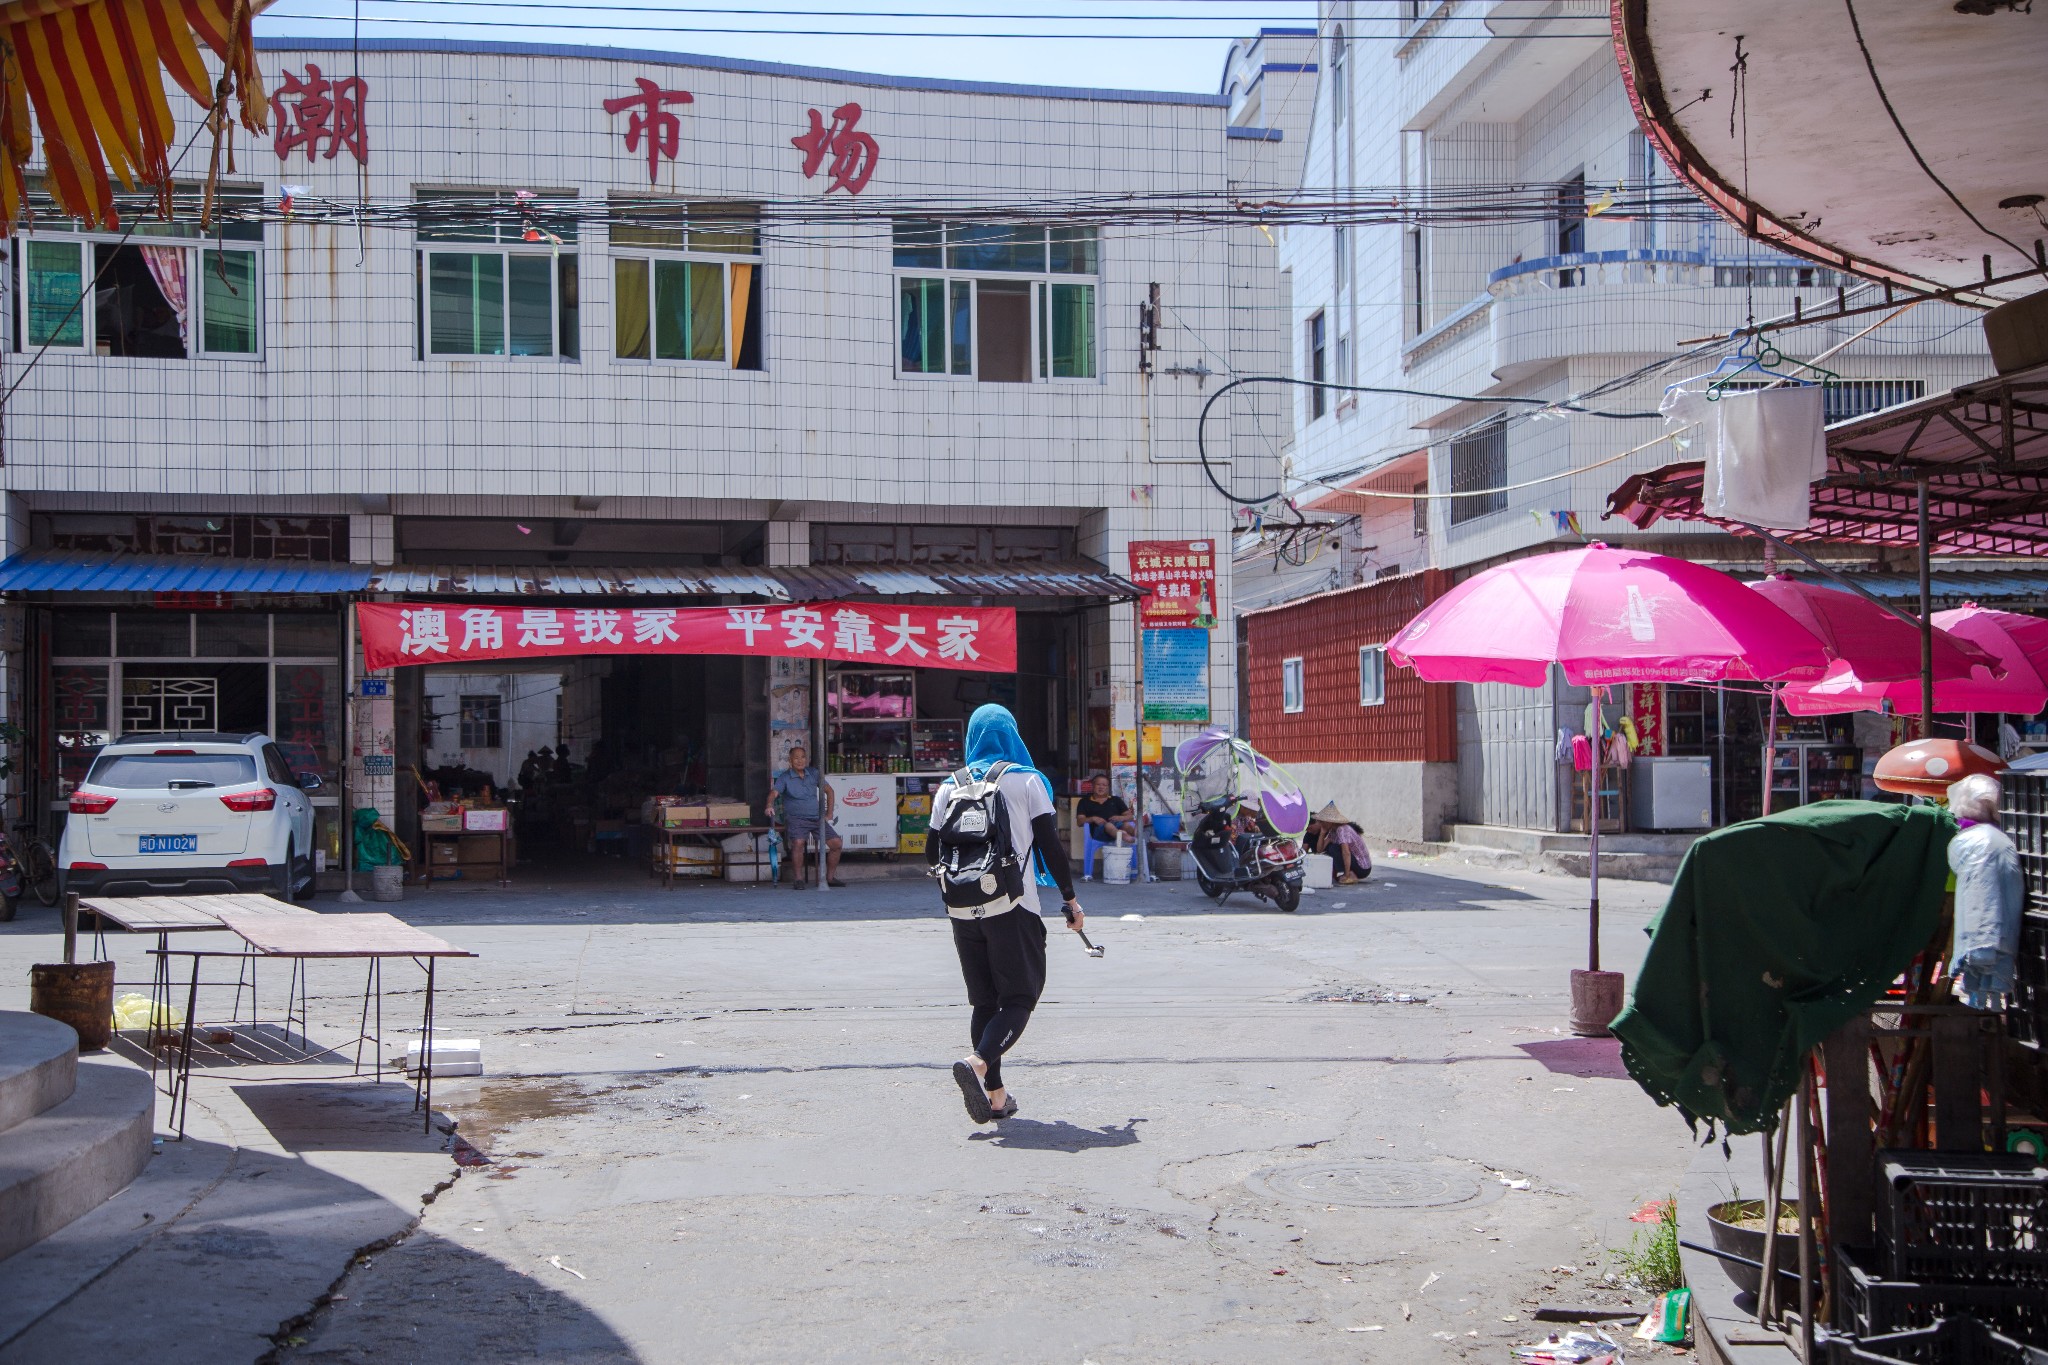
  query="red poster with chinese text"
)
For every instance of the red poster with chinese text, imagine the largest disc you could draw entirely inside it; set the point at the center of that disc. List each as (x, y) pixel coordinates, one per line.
(1646, 705)
(1179, 578)
(977, 639)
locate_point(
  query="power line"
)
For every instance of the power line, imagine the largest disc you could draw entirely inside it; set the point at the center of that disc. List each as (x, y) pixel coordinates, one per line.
(758, 32)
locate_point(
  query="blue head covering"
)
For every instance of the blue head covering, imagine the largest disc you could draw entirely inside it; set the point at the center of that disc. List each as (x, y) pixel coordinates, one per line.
(992, 738)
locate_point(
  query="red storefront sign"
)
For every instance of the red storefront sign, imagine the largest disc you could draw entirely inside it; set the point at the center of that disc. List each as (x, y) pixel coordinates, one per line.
(313, 109)
(975, 639)
(1646, 708)
(652, 125)
(1179, 578)
(853, 152)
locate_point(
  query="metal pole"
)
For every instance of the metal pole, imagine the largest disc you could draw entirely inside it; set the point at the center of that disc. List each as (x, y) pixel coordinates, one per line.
(1593, 830)
(1141, 863)
(345, 811)
(1806, 1183)
(1771, 753)
(1926, 622)
(70, 927)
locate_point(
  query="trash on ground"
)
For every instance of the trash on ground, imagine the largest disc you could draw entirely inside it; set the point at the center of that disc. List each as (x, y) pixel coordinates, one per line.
(1366, 995)
(1433, 1278)
(1667, 1321)
(1579, 1312)
(132, 1010)
(556, 1262)
(1651, 1212)
(1135, 919)
(1572, 1348)
(1504, 1178)
(1376, 1327)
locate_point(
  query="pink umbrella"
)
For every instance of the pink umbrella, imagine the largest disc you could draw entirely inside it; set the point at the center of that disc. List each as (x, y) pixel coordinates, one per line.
(1606, 616)
(2018, 643)
(1861, 635)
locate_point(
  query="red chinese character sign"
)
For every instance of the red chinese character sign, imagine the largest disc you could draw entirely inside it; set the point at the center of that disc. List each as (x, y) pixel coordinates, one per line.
(1179, 578)
(853, 152)
(975, 639)
(313, 109)
(652, 125)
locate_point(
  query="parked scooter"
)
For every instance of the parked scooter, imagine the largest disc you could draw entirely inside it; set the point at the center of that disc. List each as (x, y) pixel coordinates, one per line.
(1249, 818)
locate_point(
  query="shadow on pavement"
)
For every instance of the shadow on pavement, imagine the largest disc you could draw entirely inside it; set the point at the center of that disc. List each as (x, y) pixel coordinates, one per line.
(1594, 1059)
(1059, 1136)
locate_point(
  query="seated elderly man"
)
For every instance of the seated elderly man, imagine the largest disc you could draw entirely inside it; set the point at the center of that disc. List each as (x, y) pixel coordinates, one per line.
(1332, 832)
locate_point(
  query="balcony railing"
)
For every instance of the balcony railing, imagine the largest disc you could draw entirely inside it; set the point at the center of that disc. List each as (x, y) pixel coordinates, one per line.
(1576, 268)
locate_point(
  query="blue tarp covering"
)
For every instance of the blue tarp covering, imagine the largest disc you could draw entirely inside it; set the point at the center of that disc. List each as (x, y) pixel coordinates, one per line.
(89, 571)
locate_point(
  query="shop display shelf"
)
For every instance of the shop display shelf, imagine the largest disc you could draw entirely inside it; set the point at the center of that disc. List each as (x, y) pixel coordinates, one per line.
(1970, 1217)
(1875, 1305)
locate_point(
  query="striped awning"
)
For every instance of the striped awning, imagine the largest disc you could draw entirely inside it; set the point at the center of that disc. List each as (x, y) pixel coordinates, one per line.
(87, 571)
(93, 71)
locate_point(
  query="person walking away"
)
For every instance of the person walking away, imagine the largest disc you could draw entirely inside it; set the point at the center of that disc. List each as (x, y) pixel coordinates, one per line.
(1333, 833)
(984, 871)
(805, 800)
(1991, 895)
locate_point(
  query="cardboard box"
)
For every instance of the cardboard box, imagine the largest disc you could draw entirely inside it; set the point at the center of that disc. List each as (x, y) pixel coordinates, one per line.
(748, 869)
(450, 823)
(911, 843)
(744, 845)
(499, 819)
(914, 805)
(444, 852)
(728, 813)
(913, 824)
(688, 860)
(478, 848)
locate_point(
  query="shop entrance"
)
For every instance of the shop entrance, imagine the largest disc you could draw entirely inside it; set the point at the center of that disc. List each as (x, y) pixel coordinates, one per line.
(578, 751)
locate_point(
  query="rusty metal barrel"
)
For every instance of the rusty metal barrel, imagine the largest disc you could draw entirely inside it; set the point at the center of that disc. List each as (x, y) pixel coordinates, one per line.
(80, 994)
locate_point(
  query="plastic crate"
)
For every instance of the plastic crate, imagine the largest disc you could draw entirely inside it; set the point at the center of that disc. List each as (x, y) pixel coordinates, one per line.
(1951, 1341)
(1964, 1216)
(1874, 1305)
(2026, 1020)
(2023, 815)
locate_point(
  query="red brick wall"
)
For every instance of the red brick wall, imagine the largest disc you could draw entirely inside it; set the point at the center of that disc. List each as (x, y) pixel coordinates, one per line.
(1416, 723)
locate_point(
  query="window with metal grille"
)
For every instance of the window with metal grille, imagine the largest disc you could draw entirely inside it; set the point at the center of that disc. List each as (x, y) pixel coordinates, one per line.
(1842, 399)
(1421, 509)
(482, 722)
(1479, 466)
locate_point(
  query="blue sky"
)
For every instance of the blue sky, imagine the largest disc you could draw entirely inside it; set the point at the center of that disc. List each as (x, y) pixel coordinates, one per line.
(1181, 45)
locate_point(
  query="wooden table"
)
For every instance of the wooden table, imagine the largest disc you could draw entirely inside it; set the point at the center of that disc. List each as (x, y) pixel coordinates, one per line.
(502, 865)
(301, 936)
(666, 837)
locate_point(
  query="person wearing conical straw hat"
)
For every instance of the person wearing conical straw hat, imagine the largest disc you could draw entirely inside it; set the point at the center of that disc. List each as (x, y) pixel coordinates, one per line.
(1333, 832)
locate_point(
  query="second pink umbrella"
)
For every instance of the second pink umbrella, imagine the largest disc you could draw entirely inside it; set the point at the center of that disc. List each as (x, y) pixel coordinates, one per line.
(2019, 643)
(1861, 635)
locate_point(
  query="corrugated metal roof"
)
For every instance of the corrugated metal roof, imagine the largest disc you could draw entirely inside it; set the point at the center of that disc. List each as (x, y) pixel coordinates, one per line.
(1989, 584)
(89, 571)
(1073, 578)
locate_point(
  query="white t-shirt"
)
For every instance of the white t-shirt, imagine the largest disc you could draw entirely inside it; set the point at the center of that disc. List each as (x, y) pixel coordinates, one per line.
(1025, 795)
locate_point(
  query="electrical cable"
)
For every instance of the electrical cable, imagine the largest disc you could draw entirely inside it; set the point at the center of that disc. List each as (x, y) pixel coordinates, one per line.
(758, 32)
(1870, 65)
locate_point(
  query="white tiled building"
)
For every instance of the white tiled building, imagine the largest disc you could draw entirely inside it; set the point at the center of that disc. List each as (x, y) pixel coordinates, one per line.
(1429, 97)
(756, 318)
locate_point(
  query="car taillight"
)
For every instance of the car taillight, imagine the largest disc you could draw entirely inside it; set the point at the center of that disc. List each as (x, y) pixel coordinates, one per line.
(263, 798)
(88, 867)
(91, 803)
(247, 862)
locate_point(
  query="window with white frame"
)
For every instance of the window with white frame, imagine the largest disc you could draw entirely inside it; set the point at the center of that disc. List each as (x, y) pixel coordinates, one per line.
(686, 282)
(496, 275)
(996, 302)
(1292, 694)
(1340, 75)
(1372, 675)
(1315, 343)
(155, 291)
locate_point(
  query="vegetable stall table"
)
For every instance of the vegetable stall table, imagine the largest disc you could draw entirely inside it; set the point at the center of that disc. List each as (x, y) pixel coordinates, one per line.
(302, 937)
(666, 837)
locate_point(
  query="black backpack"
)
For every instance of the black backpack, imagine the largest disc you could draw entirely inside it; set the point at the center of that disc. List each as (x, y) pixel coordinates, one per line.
(977, 864)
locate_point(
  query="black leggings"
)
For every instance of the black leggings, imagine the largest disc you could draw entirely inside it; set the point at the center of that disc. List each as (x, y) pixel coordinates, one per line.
(1002, 960)
(993, 1029)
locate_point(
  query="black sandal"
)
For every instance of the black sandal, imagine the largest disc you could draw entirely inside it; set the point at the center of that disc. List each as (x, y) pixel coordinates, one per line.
(971, 1091)
(1009, 1109)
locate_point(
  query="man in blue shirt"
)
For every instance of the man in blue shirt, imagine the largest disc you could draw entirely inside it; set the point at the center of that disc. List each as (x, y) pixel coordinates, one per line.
(798, 790)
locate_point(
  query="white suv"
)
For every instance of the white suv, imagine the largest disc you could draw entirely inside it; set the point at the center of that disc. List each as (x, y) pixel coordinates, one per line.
(190, 812)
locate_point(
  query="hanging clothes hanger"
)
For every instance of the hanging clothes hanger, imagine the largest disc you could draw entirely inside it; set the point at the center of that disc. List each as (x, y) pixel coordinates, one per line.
(1733, 362)
(1764, 362)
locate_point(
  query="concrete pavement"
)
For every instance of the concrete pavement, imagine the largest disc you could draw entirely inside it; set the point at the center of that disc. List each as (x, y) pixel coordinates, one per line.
(717, 1125)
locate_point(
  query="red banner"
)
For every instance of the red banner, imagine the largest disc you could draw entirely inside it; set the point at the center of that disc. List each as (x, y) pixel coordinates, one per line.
(977, 639)
(1179, 578)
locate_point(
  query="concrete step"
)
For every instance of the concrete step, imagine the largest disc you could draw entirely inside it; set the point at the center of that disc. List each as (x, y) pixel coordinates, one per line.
(74, 1156)
(38, 1066)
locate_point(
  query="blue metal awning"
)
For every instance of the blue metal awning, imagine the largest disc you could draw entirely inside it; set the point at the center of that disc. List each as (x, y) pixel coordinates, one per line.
(90, 571)
(2003, 583)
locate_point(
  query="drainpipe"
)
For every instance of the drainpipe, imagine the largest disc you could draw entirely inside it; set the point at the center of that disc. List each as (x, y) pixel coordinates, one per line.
(1926, 622)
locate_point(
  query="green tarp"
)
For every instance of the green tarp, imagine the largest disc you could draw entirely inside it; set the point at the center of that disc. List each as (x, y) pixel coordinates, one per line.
(1777, 932)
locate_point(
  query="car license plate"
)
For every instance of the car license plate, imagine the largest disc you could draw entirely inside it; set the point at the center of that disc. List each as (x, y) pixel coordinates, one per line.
(169, 843)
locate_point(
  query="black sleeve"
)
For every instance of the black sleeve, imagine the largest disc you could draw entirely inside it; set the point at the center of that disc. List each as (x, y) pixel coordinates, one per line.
(1045, 841)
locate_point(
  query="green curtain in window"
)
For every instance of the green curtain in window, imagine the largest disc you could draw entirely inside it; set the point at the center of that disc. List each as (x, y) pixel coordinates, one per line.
(56, 277)
(228, 288)
(466, 304)
(630, 318)
(671, 310)
(707, 311)
(1073, 330)
(532, 312)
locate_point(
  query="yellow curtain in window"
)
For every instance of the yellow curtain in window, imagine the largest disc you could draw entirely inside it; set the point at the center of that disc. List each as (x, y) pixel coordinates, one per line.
(629, 307)
(742, 286)
(93, 71)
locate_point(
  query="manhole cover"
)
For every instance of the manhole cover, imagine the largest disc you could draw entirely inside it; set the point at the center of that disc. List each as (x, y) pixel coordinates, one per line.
(1373, 1184)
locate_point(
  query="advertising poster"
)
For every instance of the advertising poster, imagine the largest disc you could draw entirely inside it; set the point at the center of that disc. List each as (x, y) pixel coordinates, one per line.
(1177, 675)
(1179, 578)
